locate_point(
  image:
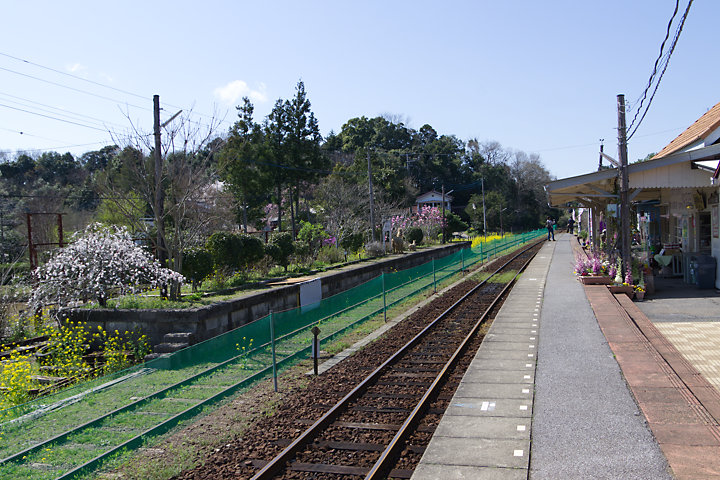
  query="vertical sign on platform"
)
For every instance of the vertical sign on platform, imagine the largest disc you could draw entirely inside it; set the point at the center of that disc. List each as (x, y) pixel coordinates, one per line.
(715, 220)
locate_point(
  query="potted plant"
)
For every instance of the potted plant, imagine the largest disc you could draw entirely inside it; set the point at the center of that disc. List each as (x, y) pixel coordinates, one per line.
(594, 270)
(639, 293)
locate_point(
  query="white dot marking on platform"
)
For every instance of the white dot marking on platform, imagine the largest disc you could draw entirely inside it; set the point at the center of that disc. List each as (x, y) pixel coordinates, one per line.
(530, 354)
(528, 365)
(518, 453)
(532, 279)
(526, 377)
(523, 407)
(525, 390)
(532, 338)
(532, 346)
(533, 331)
(521, 428)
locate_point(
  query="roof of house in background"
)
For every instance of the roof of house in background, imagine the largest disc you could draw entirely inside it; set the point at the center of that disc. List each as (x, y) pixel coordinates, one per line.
(432, 195)
(700, 130)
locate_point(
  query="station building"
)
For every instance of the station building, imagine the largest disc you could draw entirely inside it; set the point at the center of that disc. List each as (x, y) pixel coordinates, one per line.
(674, 200)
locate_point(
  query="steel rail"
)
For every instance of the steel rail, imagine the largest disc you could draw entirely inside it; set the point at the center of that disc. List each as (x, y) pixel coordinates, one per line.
(382, 465)
(172, 421)
(276, 464)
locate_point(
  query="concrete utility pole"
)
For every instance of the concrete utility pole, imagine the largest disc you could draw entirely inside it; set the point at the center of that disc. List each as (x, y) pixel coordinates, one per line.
(442, 221)
(624, 187)
(372, 203)
(482, 186)
(159, 193)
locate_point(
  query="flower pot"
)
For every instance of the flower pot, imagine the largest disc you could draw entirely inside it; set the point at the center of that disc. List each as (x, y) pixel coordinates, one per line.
(595, 280)
(639, 296)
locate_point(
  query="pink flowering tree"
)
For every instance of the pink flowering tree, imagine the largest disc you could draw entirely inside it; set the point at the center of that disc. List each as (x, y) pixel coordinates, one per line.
(101, 261)
(428, 218)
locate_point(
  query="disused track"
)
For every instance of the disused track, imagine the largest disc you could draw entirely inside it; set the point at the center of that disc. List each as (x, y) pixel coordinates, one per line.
(381, 424)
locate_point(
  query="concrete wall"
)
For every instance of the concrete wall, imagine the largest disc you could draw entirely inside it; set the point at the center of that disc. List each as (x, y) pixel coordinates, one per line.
(209, 321)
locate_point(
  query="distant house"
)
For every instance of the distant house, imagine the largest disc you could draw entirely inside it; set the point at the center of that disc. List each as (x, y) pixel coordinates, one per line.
(432, 199)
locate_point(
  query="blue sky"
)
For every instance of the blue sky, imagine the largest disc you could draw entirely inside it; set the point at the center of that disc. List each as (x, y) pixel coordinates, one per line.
(535, 76)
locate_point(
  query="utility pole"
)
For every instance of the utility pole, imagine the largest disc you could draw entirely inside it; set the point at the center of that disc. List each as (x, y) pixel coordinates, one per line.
(372, 206)
(442, 221)
(159, 193)
(482, 186)
(602, 146)
(624, 187)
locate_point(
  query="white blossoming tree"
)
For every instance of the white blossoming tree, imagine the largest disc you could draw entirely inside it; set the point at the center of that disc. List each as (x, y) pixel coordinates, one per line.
(101, 261)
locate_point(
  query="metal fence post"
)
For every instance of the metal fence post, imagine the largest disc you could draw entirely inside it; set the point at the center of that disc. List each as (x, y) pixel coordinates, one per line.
(272, 343)
(434, 280)
(384, 301)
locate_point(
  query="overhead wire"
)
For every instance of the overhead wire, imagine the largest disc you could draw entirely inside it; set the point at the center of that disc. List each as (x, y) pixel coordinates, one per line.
(60, 111)
(99, 84)
(664, 60)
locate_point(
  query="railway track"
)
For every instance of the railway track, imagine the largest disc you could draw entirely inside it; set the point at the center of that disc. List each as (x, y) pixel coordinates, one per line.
(390, 415)
(147, 403)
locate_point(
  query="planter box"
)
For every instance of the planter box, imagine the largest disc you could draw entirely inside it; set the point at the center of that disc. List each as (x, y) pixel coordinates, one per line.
(626, 289)
(595, 280)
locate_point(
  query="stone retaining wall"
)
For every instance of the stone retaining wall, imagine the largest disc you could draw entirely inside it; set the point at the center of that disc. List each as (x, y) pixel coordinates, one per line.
(209, 321)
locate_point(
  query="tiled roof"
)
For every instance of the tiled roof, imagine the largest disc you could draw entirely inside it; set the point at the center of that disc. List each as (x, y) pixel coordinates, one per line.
(702, 127)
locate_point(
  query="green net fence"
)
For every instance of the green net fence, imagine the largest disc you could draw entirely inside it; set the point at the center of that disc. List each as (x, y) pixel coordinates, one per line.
(236, 359)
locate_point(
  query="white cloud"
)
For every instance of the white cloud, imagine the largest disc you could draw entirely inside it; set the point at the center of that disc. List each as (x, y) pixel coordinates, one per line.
(76, 68)
(235, 90)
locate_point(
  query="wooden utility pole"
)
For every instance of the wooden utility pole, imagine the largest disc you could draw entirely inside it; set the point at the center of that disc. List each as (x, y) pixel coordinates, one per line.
(624, 187)
(372, 202)
(159, 193)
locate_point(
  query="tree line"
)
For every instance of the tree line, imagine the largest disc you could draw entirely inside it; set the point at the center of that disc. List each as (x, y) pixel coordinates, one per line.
(270, 173)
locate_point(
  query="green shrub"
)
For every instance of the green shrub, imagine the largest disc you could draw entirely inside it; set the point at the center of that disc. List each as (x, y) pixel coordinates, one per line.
(223, 247)
(414, 234)
(280, 248)
(330, 255)
(234, 250)
(352, 242)
(251, 250)
(312, 235)
(197, 266)
(374, 249)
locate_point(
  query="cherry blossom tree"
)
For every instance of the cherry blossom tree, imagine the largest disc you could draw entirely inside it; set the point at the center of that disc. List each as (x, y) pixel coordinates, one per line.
(102, 261)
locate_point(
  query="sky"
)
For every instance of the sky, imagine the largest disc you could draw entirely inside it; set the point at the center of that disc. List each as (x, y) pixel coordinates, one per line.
(540, 77)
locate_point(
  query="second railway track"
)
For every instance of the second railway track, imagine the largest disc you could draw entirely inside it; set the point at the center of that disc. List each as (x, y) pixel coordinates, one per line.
(379, 426)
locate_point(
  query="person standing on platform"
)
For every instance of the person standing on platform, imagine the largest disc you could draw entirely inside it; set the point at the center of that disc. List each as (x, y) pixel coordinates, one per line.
(551, 232)
(571, 224)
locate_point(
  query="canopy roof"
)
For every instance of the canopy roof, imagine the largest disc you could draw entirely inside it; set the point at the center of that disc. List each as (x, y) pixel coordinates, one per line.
(686, 162)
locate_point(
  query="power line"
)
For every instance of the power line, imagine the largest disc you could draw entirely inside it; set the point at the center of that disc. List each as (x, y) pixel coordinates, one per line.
(52, 118)
(71, 75)
(664, 60)
(72, 88)
(63, 112)
(99, 84)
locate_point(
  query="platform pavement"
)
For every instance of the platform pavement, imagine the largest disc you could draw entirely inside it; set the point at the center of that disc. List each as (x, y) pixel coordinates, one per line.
(544, 397)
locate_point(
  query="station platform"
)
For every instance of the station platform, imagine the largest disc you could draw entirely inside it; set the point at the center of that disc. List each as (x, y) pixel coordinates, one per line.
(575, 382)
